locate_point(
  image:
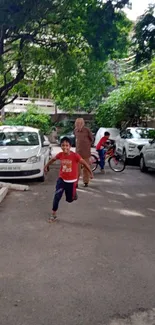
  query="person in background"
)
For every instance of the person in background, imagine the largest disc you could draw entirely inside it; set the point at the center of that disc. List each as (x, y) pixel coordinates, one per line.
(101, 149)
(84, 139)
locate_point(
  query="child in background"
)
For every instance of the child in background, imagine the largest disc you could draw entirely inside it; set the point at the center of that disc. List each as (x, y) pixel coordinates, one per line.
(101, 149)
(68, 175)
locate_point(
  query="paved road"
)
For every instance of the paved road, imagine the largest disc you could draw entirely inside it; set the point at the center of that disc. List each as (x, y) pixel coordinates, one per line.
(96, 266)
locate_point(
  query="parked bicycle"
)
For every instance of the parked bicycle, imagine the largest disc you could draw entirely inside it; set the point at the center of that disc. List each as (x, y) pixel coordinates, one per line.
(115, 161)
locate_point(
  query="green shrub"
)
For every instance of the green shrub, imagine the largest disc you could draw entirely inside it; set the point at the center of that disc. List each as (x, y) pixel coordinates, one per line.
(152, 134)
(33, 117)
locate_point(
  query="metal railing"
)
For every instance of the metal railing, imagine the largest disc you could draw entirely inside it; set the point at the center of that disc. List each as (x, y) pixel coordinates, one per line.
(47, 106)
(20, 105)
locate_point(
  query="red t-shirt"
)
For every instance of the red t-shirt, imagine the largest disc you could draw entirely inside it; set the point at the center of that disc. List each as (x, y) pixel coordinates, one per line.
(69, 165)
(102, 142)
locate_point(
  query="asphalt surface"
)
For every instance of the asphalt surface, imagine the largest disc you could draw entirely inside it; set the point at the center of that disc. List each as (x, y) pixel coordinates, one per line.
(96, 266)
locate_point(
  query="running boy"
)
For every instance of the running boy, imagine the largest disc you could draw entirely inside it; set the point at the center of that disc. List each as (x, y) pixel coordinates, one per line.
(101, 149)
(68, 175)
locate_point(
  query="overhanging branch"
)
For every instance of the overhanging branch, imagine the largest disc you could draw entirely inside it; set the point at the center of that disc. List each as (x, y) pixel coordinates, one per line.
(11, 100)
(5, 89)
(5, 75)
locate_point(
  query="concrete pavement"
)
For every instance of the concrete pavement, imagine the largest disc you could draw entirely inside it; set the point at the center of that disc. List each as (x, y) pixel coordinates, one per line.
(96, 266)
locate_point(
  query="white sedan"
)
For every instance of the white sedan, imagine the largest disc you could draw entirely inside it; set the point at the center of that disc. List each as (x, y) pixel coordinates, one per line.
(131, 141)
(147, 156)
(24, 151)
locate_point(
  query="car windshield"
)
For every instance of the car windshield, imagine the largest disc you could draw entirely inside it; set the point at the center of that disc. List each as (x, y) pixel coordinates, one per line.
(142, 133)
(19, 139)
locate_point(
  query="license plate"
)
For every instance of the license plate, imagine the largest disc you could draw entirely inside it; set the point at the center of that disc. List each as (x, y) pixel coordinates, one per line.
(9, 168)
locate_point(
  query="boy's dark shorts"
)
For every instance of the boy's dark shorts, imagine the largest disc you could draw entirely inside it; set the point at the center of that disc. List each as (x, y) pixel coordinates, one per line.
(68, 188)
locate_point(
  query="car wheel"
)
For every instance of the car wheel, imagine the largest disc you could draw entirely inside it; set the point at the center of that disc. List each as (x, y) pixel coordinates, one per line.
(41, 179)
(143, 167)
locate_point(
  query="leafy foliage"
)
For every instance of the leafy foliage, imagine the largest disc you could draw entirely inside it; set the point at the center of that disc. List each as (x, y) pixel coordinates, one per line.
(82, 77)
(133, 100)
(36, 35)
(108, 36)
(83, 89)
(152, 134)
(33, 117)
(144, 36)
(23, 24)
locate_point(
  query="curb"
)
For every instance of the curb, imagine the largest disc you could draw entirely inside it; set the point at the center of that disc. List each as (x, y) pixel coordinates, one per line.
(16, 187)
(3, 193)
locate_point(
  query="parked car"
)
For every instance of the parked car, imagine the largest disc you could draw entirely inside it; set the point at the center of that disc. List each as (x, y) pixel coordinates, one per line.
(50, 146)
(147, 156)
(24, 151)
(69, 135)
(72, 137)
(131, 141)
(100, 133)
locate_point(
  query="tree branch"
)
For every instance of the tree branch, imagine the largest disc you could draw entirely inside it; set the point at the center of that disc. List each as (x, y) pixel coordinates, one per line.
(2, 36)
(11, 100)
(5, 89)
(5, 74)
(7, 50)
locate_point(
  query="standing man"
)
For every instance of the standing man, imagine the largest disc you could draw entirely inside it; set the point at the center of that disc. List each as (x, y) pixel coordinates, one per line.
(84, 139)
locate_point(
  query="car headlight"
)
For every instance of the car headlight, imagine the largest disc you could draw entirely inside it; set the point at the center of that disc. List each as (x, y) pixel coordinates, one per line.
(33, 160)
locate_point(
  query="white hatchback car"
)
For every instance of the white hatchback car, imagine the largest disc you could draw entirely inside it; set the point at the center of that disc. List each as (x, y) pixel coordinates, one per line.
(131, 141)
(24, 151)
(147, 156)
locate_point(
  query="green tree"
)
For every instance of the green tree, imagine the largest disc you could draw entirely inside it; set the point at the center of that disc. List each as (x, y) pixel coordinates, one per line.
(83, 89)
(82, 77)
(133, 100)
(37, 33)
(144, 37)
(22, 24)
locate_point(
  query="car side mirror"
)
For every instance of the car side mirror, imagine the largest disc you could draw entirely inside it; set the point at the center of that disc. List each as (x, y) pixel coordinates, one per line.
(46, 143)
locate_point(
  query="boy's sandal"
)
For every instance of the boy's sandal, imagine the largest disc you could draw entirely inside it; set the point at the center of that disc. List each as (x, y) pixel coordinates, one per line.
(52, 218)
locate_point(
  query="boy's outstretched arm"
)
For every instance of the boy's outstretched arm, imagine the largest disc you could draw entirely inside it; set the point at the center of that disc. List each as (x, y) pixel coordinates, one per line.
(51, 161)
(83, 162)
